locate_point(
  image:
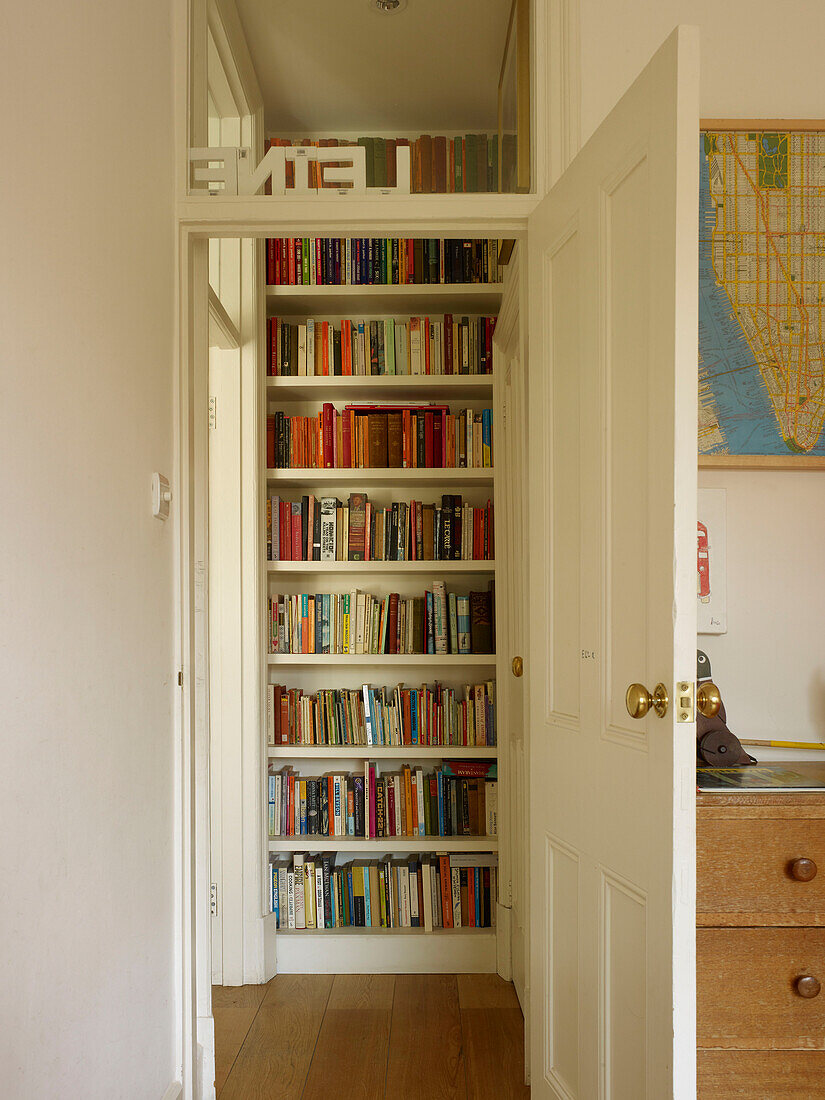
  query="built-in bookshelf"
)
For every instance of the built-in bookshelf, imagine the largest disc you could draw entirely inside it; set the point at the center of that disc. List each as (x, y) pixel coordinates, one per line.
(393, 943)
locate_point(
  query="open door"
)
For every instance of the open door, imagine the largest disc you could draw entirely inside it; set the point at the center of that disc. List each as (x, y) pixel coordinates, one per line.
(612, 443)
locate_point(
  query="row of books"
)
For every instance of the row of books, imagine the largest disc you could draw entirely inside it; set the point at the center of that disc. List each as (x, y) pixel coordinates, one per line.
(405, 803)
(456, 891)
(431, 714)
(439, 165)
(417, 345)
(326, 529)
(380, 261)
(357, 622)
(381, 437)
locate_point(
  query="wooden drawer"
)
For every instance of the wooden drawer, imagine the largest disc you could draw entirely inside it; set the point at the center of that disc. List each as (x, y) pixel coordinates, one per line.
(746, 993)
(761, 1075)
(745, 869)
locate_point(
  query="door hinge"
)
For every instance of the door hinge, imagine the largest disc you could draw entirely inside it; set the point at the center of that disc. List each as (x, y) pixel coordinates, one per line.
(213, 412)
(213, 899)
(685, 701)
(180, 678)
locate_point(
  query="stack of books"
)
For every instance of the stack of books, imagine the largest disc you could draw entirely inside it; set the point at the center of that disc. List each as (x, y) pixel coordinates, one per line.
(352, 623)
(456, 891)
(458, 799)
(382, 261)
(327, 529)
(415, 346)
(426, 715)
(381, 437)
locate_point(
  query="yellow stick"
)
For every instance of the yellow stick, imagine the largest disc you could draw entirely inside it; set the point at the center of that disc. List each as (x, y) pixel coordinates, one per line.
(785, 744)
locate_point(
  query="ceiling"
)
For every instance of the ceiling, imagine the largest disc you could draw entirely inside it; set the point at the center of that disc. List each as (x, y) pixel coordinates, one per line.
(340, 66)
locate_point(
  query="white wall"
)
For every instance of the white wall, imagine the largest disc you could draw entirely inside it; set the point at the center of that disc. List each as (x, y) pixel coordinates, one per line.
(770, 665)
(759, 60)
(86, 580)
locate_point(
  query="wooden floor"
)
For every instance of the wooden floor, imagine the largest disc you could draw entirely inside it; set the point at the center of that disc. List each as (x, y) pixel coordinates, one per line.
(314, 1036)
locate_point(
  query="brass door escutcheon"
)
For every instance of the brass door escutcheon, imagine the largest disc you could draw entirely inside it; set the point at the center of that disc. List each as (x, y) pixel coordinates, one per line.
(518, 666)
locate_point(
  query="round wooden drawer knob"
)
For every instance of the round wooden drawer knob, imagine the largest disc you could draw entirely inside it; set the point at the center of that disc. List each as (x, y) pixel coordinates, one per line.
(803, 870)
(807, 987)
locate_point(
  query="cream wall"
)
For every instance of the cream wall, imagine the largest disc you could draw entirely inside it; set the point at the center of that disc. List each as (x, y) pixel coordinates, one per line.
(86, 573)
(759, 60)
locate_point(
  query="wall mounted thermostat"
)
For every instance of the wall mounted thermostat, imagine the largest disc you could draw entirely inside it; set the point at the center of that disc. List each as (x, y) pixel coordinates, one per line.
(160, 496)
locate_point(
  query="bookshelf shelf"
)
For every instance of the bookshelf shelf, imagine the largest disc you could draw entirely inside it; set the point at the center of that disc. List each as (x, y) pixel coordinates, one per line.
(361, 478)
(387, 951)
(384, 845)
(383, 752)
(406, 568)
(398, 660)
(359, 932)
(366, 300)
(423, 388)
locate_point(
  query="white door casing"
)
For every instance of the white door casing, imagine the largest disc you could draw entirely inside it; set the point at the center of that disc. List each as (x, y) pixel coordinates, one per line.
(612, 444)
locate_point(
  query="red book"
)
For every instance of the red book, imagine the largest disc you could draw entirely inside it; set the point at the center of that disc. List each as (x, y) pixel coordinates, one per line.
(319, 263)
(392, 626)
(410, 261)
(346, 440)
(428, 441)
(407, 717)
(491, 544)
(438, 454)
(372, 801)
(328, 415)
(299, 260)
(270, 261)
(284, 718)
(471, 897)
(446, 892)
(346, 348)
(297, 548)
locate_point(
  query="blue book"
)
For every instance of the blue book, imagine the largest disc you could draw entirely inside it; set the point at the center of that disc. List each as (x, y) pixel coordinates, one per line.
(414, 714)
(326, 598)
(275, 902)
(351, 897)
(367, 913)
(303, 803)
(319, 623)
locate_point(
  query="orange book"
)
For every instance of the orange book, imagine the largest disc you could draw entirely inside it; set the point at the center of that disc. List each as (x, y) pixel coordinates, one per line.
(446, 891)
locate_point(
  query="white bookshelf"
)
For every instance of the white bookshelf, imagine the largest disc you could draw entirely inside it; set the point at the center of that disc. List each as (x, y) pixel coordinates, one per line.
(353, 950)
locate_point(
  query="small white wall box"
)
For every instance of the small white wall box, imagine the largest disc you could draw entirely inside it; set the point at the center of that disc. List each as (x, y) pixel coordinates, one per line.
(160, 496)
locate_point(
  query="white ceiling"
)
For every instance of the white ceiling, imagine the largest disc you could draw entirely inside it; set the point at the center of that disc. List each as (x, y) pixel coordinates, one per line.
(339, 66)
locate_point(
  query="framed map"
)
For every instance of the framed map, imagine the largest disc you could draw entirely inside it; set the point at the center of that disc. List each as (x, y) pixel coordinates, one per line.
(762, 294)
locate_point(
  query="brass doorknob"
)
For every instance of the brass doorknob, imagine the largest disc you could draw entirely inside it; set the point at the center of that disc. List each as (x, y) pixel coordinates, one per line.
(518, 666)
(639, 700)
(708, 699)
(808, 986)
(802, 869)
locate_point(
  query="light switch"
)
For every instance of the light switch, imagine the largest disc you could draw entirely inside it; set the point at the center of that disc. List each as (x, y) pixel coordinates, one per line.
(161, 496)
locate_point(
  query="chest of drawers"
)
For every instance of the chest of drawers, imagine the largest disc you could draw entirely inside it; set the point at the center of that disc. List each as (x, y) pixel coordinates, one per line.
(760, 940)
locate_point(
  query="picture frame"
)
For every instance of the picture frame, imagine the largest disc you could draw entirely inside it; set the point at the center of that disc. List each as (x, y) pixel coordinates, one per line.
(514, 103)
(757, 408)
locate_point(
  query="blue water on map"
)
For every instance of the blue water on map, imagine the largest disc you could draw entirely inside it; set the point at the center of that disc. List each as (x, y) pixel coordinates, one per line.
(746, 415)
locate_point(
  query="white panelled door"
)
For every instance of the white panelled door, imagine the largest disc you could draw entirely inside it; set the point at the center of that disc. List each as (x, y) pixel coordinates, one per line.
(612, 441)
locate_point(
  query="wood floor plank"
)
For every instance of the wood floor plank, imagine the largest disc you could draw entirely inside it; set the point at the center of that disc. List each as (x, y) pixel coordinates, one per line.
(234, 1008)
(276, 1055)
(352, 1044)
(485, 991)
(425, 1057)
(494, 1052)
(362, 991)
